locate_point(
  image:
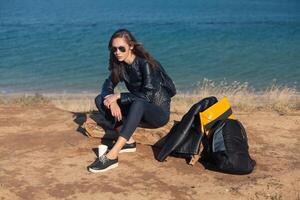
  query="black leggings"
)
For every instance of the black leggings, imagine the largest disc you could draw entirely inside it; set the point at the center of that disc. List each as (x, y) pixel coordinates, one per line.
(139, 113)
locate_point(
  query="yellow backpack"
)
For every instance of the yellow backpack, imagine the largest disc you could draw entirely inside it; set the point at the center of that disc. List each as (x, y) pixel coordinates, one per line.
(219, 111)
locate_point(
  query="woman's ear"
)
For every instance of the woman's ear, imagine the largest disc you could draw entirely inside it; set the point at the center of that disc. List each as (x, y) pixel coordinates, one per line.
(131, 45)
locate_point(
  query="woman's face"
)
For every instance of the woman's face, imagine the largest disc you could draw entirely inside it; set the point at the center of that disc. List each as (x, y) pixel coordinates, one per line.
(121, 49)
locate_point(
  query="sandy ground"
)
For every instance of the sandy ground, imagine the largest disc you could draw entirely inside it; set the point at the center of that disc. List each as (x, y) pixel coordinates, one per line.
(44, 155)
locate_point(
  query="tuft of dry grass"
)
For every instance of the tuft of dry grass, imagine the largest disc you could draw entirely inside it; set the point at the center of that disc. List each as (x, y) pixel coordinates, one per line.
(75, 102)
(242, 98)
(24, 99)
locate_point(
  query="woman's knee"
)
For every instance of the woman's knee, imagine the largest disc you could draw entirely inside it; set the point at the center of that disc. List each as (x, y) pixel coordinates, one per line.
(166, 120)
(138, 105)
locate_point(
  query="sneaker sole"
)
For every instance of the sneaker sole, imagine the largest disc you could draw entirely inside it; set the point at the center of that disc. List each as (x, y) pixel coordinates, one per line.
(104, 170)
(128, 150)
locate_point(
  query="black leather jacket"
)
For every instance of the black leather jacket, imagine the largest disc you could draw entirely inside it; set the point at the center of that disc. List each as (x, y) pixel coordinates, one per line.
(185, 136)
(142, 81)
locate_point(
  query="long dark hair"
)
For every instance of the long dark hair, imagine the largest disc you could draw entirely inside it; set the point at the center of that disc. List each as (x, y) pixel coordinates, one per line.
(115, 66)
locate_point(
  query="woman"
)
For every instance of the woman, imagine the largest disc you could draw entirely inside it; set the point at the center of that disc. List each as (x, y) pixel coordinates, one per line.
(147, 102)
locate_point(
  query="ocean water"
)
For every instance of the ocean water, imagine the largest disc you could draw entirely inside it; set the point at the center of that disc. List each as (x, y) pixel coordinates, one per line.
(61, 45)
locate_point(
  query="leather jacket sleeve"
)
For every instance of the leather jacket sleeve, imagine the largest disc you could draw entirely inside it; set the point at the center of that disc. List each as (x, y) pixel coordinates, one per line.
(108, 87)
(147, 91)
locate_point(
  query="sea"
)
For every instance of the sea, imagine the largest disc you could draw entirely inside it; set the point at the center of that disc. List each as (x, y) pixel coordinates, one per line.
(60, 46)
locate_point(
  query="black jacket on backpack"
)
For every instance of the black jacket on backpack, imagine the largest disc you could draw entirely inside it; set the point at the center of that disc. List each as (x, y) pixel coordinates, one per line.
(184, 137)
(225, 149)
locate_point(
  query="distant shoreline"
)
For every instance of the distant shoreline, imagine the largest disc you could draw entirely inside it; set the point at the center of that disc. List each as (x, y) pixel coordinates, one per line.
(204, 85)
(280, 99)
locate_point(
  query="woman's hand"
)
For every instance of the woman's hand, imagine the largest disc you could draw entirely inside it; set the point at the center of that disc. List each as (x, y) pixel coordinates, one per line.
(115, 110)
(109, 99)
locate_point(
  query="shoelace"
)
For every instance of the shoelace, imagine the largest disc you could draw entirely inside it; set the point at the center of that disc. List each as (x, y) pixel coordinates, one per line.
(103, 159)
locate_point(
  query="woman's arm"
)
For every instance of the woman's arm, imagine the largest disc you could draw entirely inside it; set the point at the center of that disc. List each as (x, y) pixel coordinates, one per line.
(108, 87)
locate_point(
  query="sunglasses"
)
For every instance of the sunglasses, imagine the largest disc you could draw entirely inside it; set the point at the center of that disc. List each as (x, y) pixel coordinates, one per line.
(121, 49)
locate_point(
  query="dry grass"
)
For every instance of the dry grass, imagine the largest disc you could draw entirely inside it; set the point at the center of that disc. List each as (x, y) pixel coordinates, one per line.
(242, 98)
(24, 99)
(74, 102)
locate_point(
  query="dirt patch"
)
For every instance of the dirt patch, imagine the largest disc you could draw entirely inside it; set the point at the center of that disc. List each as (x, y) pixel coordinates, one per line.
(44, 155)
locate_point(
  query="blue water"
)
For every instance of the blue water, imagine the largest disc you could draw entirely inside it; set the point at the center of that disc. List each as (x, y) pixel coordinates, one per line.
(61, 45)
